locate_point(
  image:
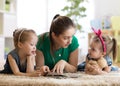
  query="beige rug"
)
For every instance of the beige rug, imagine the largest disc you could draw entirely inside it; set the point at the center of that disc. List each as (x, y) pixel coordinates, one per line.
(69, 79)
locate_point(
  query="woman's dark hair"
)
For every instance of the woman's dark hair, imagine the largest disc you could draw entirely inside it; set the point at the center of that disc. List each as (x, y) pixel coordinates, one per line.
(59, 25)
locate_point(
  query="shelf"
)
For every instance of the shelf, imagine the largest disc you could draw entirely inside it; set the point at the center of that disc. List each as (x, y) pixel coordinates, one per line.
(8, 23)
(7, 12)
(2, 44)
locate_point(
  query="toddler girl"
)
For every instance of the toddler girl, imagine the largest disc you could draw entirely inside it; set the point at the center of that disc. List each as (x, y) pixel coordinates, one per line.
(98, 60)
(21, 60)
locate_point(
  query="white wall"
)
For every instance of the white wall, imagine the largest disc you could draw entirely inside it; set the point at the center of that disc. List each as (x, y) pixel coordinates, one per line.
(106, 8)
(54, 7)
(41, 13)
(95, 9)
(32, 14)
(38, 14)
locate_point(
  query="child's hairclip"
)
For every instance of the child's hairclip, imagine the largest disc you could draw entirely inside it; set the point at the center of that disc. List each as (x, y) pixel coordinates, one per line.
(20, 34)
(110, 37)
(98, 33)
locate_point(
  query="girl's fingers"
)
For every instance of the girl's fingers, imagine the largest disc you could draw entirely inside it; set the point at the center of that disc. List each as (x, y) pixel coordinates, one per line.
(37, 73)
(37, 70)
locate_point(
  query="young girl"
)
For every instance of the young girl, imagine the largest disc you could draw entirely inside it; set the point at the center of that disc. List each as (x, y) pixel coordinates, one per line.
(98, 60)
(20, 61)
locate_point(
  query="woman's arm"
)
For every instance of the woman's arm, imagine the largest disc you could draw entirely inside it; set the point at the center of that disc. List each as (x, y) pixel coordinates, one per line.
(40, 63)
(16, 70)
(39, 59)
(71, 66)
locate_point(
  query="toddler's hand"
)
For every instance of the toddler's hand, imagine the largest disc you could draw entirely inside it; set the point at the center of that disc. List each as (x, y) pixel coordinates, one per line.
(35, 73)
(34, 53)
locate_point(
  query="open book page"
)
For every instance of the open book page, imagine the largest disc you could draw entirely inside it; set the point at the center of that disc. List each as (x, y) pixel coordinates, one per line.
(54, 74)
(64, 75)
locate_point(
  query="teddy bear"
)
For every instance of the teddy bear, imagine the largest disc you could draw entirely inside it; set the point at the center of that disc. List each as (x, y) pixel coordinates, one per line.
(100, 64)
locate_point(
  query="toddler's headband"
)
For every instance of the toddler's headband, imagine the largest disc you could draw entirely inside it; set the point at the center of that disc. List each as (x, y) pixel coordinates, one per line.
(20, 35)
(98, 33)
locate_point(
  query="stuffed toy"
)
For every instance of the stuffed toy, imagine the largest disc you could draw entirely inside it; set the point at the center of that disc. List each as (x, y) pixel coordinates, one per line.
(100, 64)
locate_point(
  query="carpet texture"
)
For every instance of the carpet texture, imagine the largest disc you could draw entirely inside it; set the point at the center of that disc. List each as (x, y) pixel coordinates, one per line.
(68, 79)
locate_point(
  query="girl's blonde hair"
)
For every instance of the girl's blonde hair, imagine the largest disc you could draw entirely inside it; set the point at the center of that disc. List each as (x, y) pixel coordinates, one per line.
(21, 35)
(110, 43)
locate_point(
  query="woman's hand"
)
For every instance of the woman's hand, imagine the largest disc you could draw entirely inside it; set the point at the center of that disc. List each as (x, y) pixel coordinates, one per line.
(59, 67)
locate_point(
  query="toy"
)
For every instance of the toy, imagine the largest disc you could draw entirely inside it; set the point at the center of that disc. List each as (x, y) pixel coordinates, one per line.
(100, 64)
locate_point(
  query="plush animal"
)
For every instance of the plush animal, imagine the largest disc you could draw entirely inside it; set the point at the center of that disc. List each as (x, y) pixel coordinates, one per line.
(100, 64)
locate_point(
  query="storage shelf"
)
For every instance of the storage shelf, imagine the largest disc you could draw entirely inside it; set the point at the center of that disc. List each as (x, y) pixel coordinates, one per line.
(8, 23)
(7, 12)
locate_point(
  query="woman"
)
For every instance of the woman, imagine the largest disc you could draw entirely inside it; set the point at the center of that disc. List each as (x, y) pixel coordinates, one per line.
(58, 49)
